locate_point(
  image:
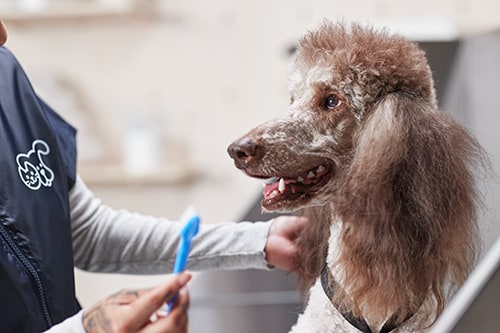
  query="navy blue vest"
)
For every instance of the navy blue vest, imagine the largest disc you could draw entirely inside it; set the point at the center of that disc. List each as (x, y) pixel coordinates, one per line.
(37, 169)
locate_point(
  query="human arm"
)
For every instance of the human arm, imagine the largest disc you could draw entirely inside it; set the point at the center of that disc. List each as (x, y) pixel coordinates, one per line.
(109, 240)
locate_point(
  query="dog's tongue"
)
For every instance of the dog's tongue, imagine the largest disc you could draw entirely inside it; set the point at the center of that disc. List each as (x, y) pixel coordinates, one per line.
(269, 188)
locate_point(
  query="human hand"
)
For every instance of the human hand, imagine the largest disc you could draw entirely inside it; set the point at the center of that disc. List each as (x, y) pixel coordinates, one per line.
(129, 311)
(281, 248)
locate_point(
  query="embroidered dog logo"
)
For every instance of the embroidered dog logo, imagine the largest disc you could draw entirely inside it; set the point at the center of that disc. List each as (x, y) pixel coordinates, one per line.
(31, 167)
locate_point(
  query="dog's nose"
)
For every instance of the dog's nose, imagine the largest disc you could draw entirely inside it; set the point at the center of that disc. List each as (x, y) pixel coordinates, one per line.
(242, 151)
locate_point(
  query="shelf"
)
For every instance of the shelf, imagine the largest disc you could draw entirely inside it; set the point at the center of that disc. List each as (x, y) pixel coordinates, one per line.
(59, 10)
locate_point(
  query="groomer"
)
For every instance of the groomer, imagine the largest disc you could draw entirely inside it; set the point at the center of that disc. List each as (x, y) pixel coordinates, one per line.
(50, 222)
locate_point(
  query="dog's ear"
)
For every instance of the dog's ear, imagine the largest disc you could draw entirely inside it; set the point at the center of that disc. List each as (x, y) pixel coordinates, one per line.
(381, 159)
(411, 159)
(408, 202)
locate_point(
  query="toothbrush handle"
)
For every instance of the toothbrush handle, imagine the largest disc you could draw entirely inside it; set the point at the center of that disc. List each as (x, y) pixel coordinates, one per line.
(181, 260)
(180, 265)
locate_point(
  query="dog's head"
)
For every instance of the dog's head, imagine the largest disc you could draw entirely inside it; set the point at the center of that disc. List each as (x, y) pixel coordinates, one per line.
(363, 133)
(340, 77)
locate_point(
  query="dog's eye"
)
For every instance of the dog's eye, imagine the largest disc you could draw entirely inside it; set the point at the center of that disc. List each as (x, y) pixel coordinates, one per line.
(332, 101)
(291, 99)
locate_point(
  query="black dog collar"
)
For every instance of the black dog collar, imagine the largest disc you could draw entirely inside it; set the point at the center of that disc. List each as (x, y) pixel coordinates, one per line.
(329, 284)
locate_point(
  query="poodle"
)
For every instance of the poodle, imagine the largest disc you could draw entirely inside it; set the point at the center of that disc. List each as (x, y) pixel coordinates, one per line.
(387, 180)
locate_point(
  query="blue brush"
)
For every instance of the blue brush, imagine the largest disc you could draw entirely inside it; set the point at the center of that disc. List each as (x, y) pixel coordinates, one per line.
(187, 233)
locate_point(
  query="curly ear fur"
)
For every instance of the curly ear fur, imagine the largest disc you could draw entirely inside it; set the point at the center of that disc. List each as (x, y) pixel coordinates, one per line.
(408, 209)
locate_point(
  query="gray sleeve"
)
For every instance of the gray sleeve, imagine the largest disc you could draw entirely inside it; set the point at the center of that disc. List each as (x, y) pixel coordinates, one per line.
(109, 240)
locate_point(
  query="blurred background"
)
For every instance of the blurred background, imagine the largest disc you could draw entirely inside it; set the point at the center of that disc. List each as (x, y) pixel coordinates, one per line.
(158, 89)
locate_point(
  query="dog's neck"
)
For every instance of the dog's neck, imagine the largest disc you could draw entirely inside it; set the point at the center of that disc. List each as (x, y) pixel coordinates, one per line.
(334, 248)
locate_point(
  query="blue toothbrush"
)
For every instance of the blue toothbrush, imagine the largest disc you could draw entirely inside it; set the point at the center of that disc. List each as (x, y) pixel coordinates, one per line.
(187, 233)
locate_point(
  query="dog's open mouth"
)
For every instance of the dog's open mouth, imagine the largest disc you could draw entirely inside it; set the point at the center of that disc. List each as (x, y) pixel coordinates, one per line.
(282, 192)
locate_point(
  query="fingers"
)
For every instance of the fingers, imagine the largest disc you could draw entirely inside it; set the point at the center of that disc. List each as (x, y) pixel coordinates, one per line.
(289, 226)
(177, 320)
(281, 248)
(130, 310)
(150, 301)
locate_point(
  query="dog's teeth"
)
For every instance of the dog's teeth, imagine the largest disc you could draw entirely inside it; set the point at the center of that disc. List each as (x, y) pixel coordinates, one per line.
(281, 185)
(311, 174)
(300, 179)
(273, 194)
(320, 169)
